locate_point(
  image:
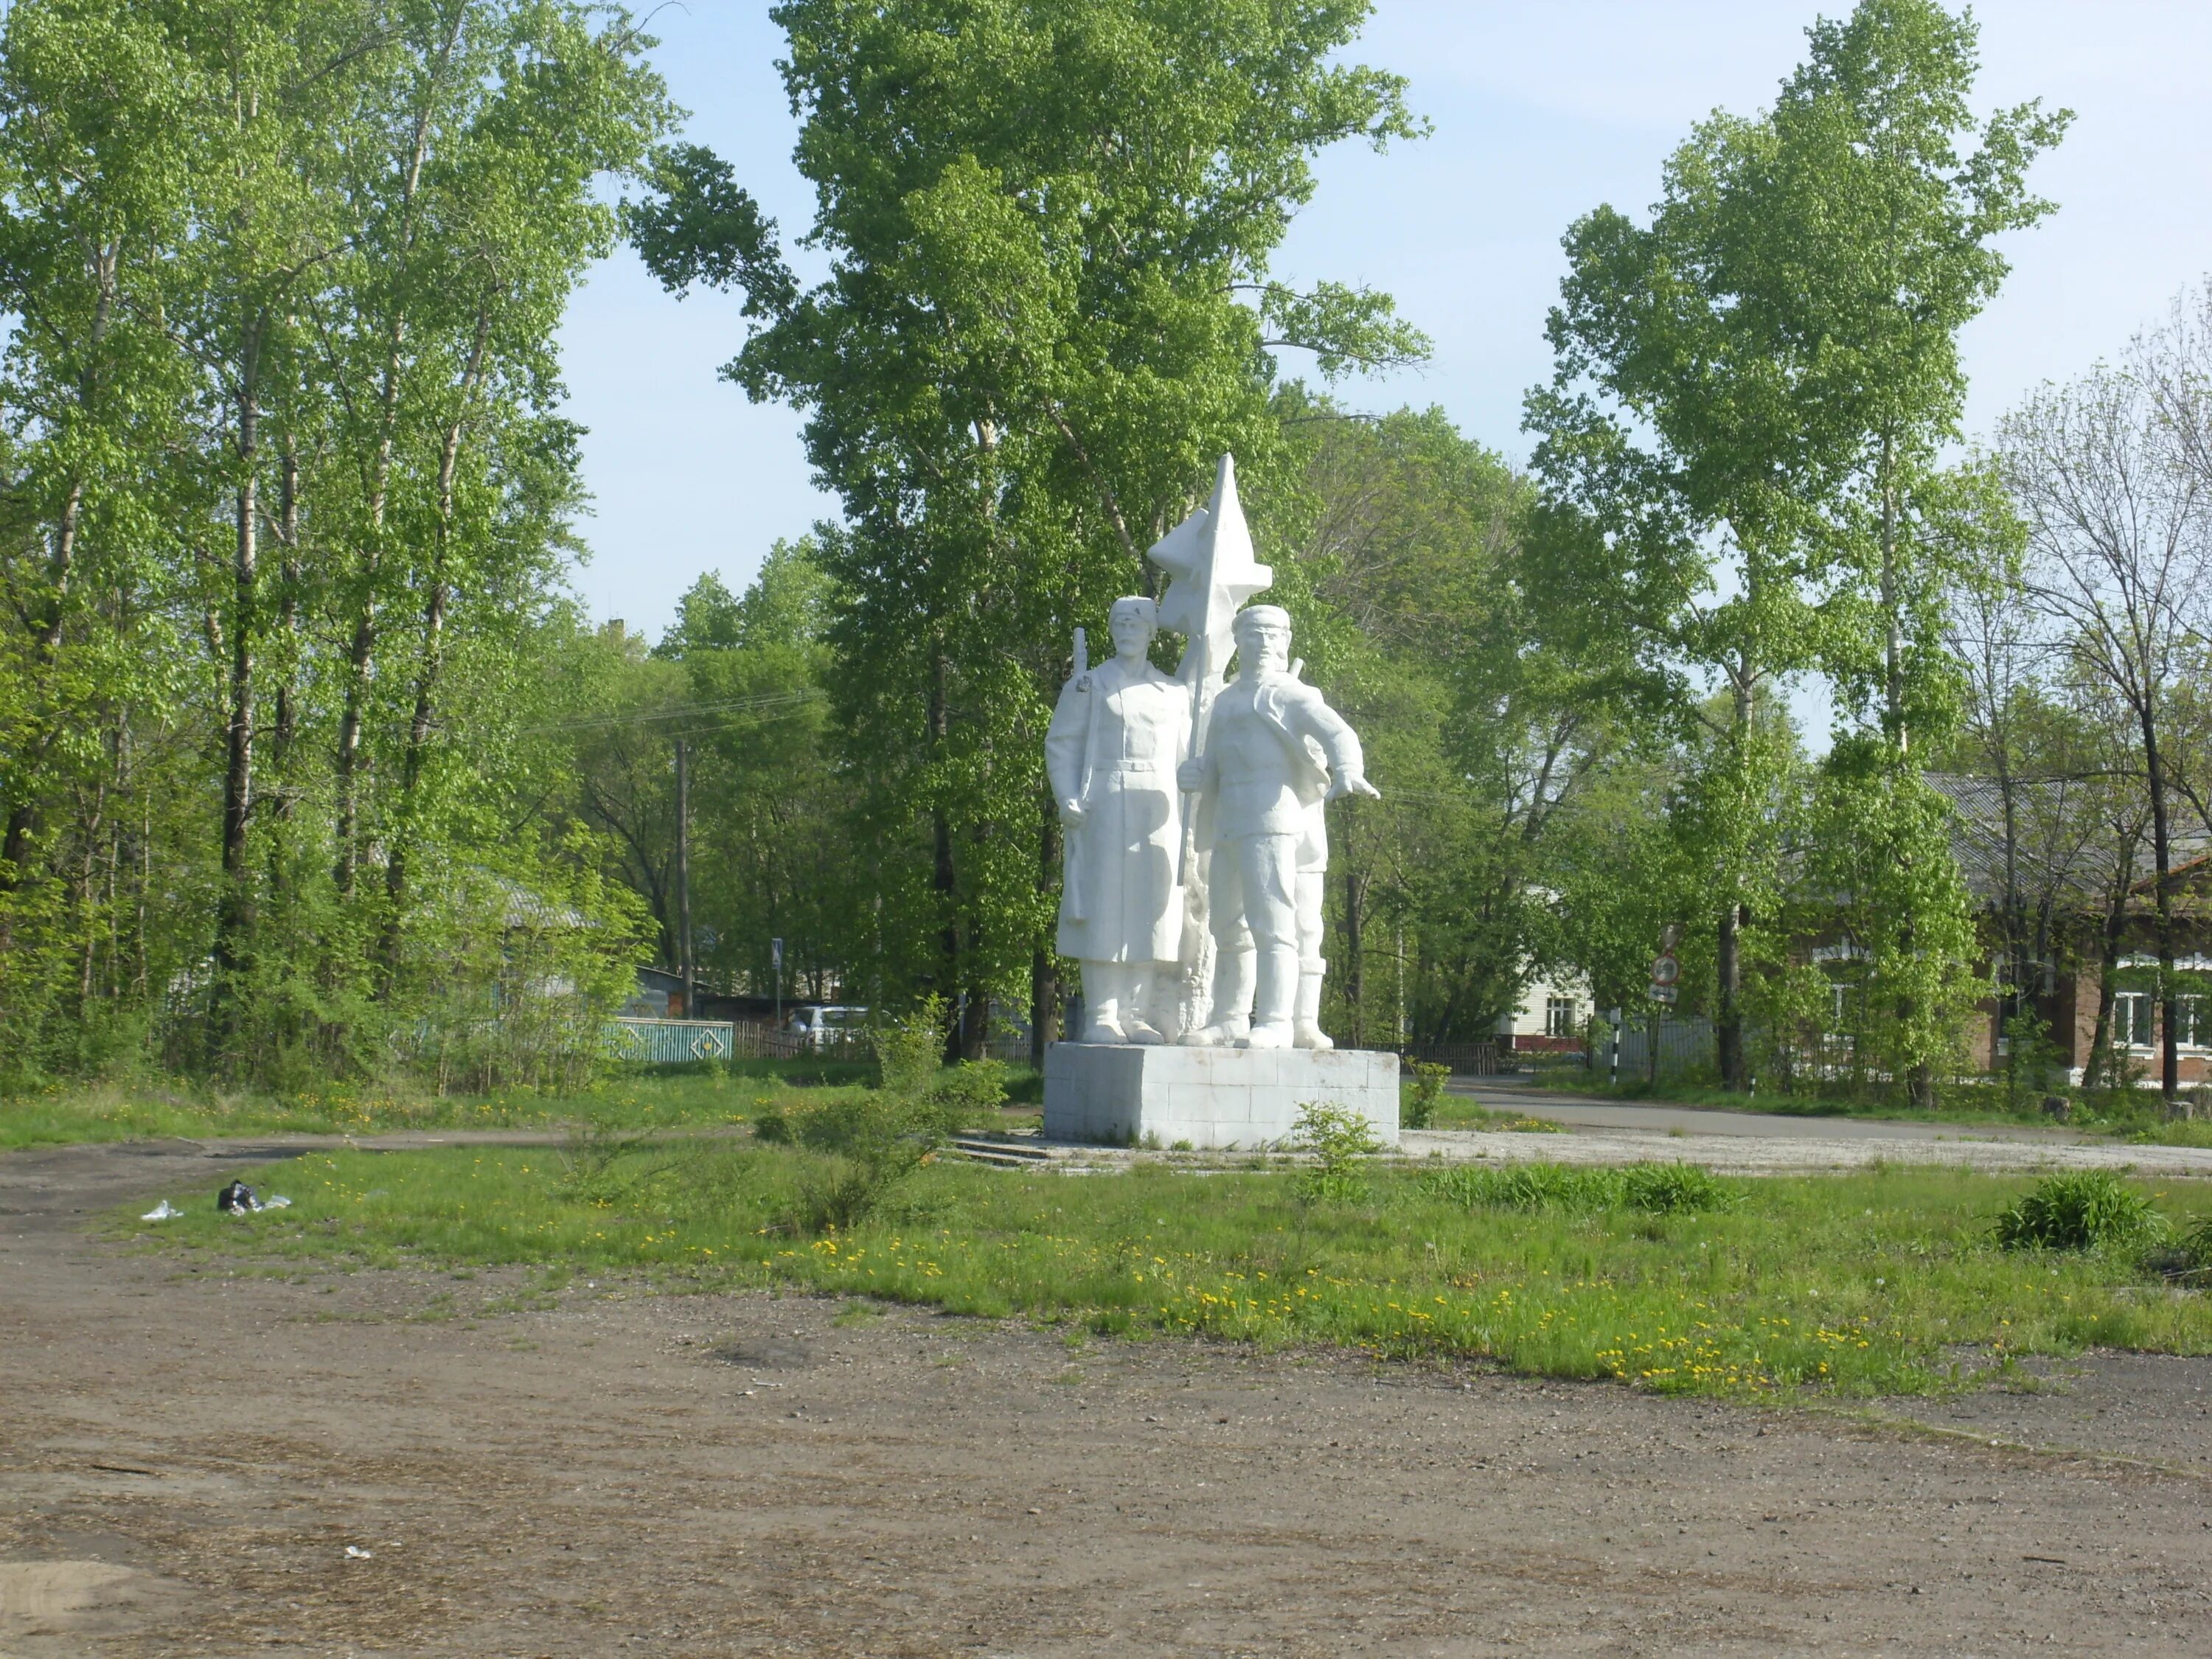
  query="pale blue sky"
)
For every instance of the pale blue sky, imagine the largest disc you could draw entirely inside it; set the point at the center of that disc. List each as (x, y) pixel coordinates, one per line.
(1541, 111)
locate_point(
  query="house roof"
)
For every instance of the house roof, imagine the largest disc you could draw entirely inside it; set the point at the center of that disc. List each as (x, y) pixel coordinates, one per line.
(2063, 849)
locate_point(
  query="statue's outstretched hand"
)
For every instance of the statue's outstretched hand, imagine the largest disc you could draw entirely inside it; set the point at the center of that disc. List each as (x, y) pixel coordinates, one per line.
(1352, 783)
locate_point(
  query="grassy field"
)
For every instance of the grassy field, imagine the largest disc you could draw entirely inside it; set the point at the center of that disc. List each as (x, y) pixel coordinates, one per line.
(671, 1097)
(1883, 1282)
(2136, 1117)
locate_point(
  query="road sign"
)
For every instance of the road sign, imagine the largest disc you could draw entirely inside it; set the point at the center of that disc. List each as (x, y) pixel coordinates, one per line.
(776, 954)
(1662, 993)
(1665, 970)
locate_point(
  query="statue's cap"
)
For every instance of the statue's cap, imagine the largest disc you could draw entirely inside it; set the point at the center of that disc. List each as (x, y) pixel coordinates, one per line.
(1260, 616)
(1147, 608)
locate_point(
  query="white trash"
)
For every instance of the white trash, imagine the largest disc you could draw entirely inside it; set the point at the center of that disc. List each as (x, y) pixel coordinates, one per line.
(164, 1211)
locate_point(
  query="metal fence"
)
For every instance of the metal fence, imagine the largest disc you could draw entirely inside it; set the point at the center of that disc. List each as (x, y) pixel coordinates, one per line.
(1682, 1046)
(671, 1042)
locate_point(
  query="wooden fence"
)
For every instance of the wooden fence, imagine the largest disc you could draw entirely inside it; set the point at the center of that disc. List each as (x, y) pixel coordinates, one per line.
(1465, 1059)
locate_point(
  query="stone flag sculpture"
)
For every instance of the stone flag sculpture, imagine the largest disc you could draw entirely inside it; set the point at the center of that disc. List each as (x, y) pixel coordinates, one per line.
(1196, 840)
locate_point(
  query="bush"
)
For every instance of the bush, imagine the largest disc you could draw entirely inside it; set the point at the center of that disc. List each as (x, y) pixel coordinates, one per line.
(1675, 1190)
(908, 1050)
(1339, 1138)
(969, 1096)
(2088, 1210)
(1651, 1188)
(1428, 1093)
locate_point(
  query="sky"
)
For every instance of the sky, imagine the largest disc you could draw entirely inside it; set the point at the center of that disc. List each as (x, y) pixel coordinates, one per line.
(1540, 113)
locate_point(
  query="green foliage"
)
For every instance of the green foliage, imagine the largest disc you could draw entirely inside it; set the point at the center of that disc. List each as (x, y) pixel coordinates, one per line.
(291, 491)
(1759, 386)
(1429, 1080)
(1029, 341)
(1648, 1188)
(1338, 1139)
(908, 1050)
(2086, 1210)
(1811, 1288)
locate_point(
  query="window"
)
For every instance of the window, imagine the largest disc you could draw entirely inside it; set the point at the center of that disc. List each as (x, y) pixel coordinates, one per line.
(1559, 1016)
(2192, 1026)
(2131, 1018)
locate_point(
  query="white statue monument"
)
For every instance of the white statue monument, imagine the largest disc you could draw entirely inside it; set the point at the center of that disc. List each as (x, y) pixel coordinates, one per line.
(1118, 735)
(1275, 754)
(1197, 847)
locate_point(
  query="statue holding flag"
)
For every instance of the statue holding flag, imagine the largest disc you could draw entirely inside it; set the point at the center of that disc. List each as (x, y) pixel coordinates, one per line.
(1215, 836)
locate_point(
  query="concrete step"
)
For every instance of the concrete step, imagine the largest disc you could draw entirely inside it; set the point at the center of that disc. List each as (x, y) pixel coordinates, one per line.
(1007, 1154)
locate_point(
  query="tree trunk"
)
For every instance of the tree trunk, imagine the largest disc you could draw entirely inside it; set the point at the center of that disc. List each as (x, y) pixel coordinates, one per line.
(234, 911)
(2100, 1072)
(429, 676)
(1355, 926)
(1727, 1029)
(945, 876)
(1044, 972)
(2161, 854)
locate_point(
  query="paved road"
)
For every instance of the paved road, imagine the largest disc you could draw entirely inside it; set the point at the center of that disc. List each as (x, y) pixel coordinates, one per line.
(1581, 1111)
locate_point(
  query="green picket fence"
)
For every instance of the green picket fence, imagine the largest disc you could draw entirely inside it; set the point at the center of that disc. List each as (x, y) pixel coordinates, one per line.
(670, 1042)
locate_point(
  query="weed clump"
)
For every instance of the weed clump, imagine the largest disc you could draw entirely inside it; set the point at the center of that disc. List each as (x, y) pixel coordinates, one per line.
(2084, 1210)
(863, 1146)
(1429, 1079)
(1649, 1189)
(1339, 1138)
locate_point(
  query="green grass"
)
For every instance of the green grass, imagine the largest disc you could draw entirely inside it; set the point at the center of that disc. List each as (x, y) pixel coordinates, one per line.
(2137, 1116)
(697, 1094)
(1849, 1284)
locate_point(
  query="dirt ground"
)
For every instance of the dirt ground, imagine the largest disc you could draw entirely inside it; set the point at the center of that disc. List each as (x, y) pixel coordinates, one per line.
(209, 1462)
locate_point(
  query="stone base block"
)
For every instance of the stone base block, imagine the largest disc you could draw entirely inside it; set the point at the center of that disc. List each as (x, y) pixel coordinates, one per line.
(1117, 1093)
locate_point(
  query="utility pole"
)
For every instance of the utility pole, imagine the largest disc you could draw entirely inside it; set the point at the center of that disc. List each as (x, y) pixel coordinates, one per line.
(683, 879)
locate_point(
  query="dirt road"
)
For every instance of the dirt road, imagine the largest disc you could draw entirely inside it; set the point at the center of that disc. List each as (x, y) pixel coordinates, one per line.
(189, 1458)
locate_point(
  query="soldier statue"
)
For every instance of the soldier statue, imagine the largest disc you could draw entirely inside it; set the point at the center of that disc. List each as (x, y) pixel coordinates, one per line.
(1274, 754)
(1118, 735)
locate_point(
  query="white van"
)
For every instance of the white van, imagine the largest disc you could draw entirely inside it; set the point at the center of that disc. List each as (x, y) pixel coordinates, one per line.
(827, 1028)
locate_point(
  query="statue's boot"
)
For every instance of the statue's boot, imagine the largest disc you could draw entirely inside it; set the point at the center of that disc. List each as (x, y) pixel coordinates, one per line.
(1106, 988)
(1272, 997)
(1141, 1030)
(1306, 1032)
(1232, 1000)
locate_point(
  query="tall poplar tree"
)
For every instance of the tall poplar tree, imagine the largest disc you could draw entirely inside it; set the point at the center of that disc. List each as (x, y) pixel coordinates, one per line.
(1048, 225)
(1751, 400)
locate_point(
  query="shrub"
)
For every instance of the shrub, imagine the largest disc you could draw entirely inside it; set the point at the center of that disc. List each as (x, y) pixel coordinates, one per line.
(1339, 1138)
(2086, 1210)
(908, 1050)
(968, 1095)
(1428, 1093)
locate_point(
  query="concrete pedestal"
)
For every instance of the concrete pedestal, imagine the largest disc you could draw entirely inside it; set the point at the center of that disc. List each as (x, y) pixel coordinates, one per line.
(1117, 1094)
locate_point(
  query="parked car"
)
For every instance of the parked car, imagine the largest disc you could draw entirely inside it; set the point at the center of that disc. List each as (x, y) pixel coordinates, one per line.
(827, 1027)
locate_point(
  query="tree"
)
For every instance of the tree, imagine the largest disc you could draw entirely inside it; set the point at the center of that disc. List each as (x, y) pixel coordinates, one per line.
(2120, 547)
(286, 483)
(1751, 394)
(1046, 310)
(1488, 710)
